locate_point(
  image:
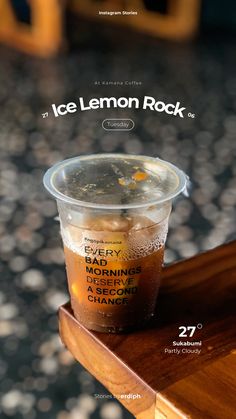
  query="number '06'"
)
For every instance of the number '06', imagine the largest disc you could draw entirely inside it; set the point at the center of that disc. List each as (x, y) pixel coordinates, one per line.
(186, 331)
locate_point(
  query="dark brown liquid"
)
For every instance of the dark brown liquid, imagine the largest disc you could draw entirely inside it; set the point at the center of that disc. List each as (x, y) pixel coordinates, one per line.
(109, 291)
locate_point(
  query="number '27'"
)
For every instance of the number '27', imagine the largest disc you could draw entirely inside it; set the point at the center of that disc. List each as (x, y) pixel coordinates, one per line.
(187, 331)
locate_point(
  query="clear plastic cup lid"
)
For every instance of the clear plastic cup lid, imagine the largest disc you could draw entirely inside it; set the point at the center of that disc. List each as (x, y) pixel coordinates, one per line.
(114, 181)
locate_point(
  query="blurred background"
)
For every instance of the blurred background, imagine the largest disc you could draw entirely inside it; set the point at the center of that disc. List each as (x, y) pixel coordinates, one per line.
(177, 51)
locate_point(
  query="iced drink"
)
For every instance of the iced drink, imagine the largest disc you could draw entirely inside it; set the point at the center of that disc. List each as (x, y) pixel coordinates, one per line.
(114, 221)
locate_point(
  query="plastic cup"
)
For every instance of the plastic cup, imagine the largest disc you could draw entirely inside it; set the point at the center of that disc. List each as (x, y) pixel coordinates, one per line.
(114, 211)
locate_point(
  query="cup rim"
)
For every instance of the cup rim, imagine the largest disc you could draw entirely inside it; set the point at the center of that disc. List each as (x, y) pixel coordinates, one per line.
(48, 181)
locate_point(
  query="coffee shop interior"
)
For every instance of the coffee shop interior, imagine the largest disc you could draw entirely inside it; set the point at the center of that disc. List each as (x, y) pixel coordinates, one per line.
(54, 52)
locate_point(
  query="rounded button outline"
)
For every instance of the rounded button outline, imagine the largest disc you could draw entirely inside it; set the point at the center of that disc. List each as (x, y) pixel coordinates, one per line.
(118, 129)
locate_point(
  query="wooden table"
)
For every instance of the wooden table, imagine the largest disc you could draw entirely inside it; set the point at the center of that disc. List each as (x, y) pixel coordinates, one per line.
(198, 292)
